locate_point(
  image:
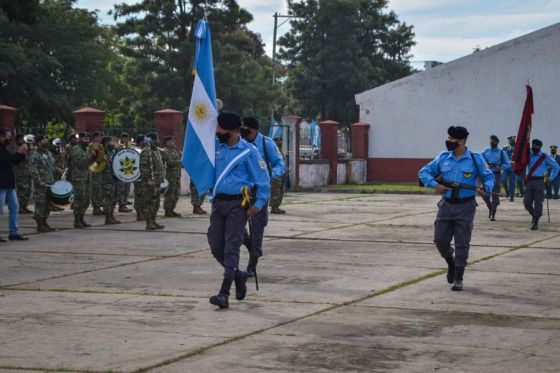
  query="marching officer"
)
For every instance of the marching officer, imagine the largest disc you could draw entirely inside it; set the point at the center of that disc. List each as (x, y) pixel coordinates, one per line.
(42, 166)
(497, 160)
(276, 168)
(534, 188)
(109, 183)
(456, 211)
(172, 160)
(278, 185)
(80, 160)
(151, 177)
(554, 184)
(239, 168)
(24, 181)
(123, 189)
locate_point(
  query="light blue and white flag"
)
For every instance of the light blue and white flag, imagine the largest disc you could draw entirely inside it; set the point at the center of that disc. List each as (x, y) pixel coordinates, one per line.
(315, 135)
(200, 135)
(275, 129)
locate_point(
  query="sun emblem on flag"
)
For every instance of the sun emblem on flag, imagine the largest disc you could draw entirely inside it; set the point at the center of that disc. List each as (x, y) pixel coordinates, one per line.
(200, 112)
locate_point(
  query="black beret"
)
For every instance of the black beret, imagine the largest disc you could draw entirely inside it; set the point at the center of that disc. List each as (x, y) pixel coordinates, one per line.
(494, 138)
(553, 146)
(97, 133)
(537, 142)
(511, 138)
(81, 135)
(139, 138)
(40, 138)
(167, 138)
(124, 134)
(229, 121)
(458, 132)
(153, 135)
(251, 122)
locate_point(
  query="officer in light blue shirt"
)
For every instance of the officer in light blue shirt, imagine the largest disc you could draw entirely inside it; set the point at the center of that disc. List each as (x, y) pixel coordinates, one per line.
(239, 167)
(509, 178)
(498, 161)
(276, 168)
(534, 188)
(457, 208)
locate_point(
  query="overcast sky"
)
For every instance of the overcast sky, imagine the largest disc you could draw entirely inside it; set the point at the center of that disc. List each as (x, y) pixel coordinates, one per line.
(445, 29)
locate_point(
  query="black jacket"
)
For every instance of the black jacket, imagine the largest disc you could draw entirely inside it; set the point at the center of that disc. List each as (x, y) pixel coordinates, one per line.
(7, 161)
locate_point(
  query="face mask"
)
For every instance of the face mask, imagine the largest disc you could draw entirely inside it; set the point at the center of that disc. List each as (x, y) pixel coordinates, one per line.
(553, 152)
(493, 145)
(223, 137)
(451, 145)
(245, 132)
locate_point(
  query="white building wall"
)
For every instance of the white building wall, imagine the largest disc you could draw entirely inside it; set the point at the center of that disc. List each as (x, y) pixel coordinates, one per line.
(484, 92)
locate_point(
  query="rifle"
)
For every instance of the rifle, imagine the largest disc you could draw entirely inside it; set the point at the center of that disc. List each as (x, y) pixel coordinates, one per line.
(456, 186)
(247, 203)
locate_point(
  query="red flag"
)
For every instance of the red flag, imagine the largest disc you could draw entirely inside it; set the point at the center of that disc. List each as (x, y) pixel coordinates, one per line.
(521, 150)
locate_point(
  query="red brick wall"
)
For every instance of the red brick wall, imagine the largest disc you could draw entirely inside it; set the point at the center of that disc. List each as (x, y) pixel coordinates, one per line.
(395, 169)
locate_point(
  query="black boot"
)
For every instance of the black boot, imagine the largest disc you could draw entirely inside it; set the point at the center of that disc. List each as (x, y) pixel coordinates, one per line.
(221, 299)
(493, 215)
(241, 284)
(458, 283)
(450, 269)
(252, 266)
(535, 225)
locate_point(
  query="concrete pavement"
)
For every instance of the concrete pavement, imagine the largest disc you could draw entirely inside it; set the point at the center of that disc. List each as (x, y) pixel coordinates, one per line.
(348, 283)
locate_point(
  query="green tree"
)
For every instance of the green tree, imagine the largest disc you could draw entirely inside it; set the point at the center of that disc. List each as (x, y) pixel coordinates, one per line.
(53, 59)
(157, 40)
(336, 49)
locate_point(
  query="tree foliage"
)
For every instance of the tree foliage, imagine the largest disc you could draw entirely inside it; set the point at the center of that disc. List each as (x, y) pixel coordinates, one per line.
(336, 49)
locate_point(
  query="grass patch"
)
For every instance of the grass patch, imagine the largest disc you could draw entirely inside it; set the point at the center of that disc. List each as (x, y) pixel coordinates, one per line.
(390, 187)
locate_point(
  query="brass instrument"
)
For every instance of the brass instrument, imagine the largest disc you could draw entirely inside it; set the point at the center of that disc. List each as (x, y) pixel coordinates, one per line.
(100, 161)
(29, 139)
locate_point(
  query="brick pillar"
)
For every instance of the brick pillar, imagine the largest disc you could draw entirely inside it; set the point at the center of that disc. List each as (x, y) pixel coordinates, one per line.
(8, 118)
(169, 122)
(360, 140)
(329, 146)
(293, 122)
(89, 120)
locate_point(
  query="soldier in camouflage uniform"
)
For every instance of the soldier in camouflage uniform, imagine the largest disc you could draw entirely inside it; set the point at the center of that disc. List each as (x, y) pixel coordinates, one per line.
(96, 188)
(57, 151)
(196, 200)
(151, 177)
(42, 171)
(109, 184)
(277, 186)
(71, 141)
(80, 161)
(172, 161)
(123, 189)
(23, 178)
(138, 185)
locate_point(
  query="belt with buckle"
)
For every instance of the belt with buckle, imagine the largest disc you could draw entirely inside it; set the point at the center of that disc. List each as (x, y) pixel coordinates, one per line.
(459, 200)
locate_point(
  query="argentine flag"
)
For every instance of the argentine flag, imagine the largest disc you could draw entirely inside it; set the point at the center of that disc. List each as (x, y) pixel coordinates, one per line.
(200, 135)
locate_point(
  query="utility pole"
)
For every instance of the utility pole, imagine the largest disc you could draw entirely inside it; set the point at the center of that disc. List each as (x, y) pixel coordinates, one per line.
(274, 34)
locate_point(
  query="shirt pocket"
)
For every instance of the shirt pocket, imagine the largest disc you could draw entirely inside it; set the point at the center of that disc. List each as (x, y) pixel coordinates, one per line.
(446, 169)
(467, 171)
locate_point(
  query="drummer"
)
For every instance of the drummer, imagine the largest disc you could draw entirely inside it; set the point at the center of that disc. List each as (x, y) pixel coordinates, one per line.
(42, 170)
(123, 188)
(109, 183)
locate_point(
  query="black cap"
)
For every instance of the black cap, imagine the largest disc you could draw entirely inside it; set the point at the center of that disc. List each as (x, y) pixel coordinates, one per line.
(536, 142)
(494, 138)
(124, 134)
(229, 121)
(553, 146)
(106, 139)
(251, 122)
(81, 135)
(140, 137)
(511, 138)
(97, 133)
(458, 132)
(167, 138)
(153, 136)
(40, 138)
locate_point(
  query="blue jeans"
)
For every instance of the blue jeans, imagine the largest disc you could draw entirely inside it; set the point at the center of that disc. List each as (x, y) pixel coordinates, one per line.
(9, 197)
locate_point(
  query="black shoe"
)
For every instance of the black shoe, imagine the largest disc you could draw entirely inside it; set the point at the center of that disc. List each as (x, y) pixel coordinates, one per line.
(458, 280)
(241, 284)
(2, 240)
(457, 285)
(493, 217)
(450, 269)
(220, 300)
(511, 199)
(535, 225)
(17, 237)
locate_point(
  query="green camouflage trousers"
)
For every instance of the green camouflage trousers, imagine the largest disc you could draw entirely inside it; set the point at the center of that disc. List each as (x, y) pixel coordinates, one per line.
(82, 193)
(123, 190)
(23, 190)
(277, 188)
(109, 197)
(150, 200)
(196, 200)
(42, 203)
(138, 206)
(172, 194)
(96, 189)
